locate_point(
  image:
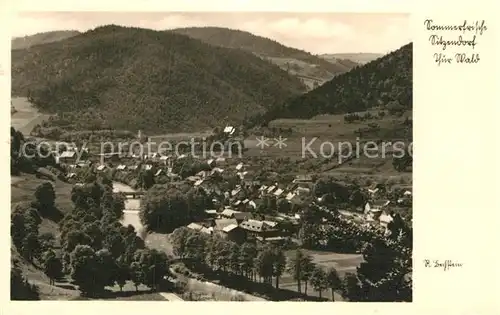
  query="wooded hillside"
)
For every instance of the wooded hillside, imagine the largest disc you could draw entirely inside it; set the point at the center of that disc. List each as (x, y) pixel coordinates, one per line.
(116, 77)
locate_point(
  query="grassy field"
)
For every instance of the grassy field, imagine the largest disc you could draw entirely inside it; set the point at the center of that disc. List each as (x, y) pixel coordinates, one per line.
(182, 136)
(309, 73)
(23, 189)
(26, 116)
(343, 263)
(159, 242)
(333, 127)
(326, 136)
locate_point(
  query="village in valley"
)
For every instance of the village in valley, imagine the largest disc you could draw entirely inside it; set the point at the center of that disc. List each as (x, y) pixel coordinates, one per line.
(240, 199)
(150, 199)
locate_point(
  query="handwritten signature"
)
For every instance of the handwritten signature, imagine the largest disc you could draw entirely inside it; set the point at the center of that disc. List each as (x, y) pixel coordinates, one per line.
(445, 265)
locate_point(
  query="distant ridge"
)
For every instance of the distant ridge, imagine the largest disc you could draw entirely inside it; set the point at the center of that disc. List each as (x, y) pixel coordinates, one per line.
(361, 58)
(297, 62)
(41, 38)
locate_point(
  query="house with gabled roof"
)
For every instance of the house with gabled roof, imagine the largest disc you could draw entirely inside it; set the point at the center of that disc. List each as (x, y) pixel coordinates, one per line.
(192, 179)
(259, 228)
(216, 170)
(211, 162)
(263, 190)
(133, 167)
(244, 205)
(235, 191)
(293, 198)
(211, 212)
(302, 191)
(375, 189)
(229, 130)
(84, 164)
(384, 219)
(121, 167)
(303, 178)
(234, 214)
(199, 228)
(376, 206)
(68, 157)
(220, 161)
(270, 189)
(243, 175)
(101, 167)
(198, 182)
(229, 229)
(252, 204)
(278, 192)
(202, 174)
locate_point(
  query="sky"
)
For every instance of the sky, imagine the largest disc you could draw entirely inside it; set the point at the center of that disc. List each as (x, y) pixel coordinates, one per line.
(316, 33)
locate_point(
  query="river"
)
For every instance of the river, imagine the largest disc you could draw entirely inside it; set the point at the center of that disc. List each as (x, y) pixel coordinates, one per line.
(131, 216)
(132, 206)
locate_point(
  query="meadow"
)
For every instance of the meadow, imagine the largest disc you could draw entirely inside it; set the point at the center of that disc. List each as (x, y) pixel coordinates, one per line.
(25, 116)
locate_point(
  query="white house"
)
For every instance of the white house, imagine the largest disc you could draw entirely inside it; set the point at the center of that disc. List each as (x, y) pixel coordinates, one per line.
(229, 130)
(278, 192)
(101, 167)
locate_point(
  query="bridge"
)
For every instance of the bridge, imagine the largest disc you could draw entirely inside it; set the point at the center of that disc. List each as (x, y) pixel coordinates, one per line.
(133, 194)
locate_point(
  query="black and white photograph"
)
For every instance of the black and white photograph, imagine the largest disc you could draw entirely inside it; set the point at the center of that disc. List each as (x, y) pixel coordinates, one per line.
(211, 156)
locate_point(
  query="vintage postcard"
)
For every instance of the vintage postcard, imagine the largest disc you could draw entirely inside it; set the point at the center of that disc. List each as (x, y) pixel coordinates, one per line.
(243, 155)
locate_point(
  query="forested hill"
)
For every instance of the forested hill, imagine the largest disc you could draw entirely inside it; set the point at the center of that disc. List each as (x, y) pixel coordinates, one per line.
(41, 38)
(286, 57)
(383, 82)
(130, 78)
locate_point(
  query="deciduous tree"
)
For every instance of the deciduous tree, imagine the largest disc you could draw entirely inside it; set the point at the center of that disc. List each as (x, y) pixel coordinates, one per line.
(52, 265)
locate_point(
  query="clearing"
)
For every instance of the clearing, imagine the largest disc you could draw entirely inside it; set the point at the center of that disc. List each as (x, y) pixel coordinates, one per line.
(26, 116)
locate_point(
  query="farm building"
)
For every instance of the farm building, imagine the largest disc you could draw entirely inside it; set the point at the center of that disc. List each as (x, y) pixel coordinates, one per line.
(68, 157)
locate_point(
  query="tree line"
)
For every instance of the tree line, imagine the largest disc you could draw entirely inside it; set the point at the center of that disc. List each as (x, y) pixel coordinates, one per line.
(250, 261)
(95, 249)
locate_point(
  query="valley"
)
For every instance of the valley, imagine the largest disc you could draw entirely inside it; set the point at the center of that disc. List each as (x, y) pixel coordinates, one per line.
(269, 223)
